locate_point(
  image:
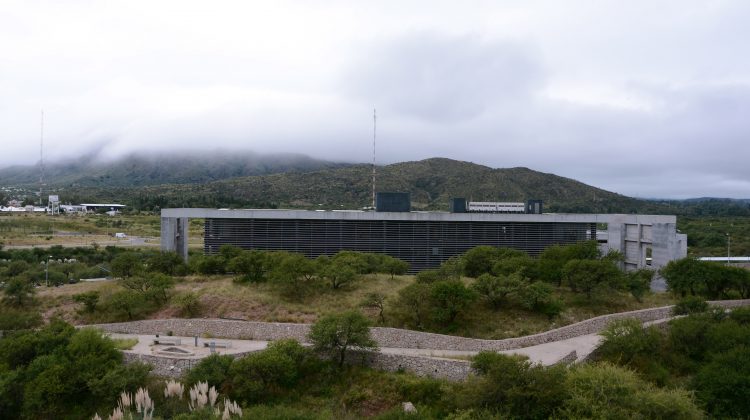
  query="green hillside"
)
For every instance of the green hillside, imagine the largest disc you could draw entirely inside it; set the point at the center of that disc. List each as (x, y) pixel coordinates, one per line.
(431, 182)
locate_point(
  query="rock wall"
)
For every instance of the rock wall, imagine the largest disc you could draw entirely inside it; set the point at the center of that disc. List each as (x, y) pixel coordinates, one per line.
(386, 337)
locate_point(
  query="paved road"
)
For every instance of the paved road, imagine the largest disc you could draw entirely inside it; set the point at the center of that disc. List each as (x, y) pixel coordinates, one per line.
(546, 354)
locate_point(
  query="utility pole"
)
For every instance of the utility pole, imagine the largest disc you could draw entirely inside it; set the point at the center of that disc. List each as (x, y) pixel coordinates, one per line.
(729, 241)
(374, 134)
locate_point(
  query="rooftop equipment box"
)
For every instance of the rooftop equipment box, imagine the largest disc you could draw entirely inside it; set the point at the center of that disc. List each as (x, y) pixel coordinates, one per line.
(393, 202)
(534, 207)
(458, 205)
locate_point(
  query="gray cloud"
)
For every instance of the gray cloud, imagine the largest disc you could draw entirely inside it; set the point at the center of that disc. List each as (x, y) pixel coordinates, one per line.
(641, 98)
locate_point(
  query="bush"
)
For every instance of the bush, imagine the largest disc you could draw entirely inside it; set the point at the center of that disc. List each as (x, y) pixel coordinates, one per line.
(496, 289)
(448, 299)
(514, 386)
(188, 304)
(608, 391)
(89, 300)
(214, 369)
(690, 305)
(723, 385)
(265, 375)
(334, 334)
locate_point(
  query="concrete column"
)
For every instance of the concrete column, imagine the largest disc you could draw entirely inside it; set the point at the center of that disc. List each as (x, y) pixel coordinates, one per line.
(174, 235)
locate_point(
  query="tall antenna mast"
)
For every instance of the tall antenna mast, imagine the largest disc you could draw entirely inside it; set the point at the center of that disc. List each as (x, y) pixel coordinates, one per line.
(374, 136)
(41, 159)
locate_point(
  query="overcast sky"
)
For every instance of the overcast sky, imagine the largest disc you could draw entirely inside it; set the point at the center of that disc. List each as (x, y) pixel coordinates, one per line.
(645, 98)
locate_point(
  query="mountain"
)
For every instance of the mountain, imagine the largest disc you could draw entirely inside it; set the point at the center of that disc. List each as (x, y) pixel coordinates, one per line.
(137, 170)
(431, 182)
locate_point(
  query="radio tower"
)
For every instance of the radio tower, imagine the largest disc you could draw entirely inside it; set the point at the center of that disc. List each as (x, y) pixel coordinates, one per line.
(374, 135)
(41, 160)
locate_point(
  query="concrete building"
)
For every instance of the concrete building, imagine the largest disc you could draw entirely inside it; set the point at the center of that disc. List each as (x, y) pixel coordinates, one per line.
(425, 239)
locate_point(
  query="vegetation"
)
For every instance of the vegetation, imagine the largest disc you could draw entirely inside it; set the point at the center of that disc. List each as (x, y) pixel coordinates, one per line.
(705, 353)
(335, 334)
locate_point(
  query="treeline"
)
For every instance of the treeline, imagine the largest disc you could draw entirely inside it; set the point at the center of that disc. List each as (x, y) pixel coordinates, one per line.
(707, 279)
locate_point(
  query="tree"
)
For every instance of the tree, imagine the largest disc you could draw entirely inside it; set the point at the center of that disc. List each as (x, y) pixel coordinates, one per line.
(723, 384)
(448, 299)
(128, 303)
(479, 260)
(413, 301)
(169, 263)
(588, 276)
(694, 277)
(495, 289)
(334, 334)
(18, 292)
(515, 387)
(214, 370)
(153, 286)
(552, 260)
(639, 282)
(627, 342)
(377, 301)
(393, 266)
(291, 272)
(252, 265)
(126, 265)
(88, 299)
(266, 374)
(338, 272)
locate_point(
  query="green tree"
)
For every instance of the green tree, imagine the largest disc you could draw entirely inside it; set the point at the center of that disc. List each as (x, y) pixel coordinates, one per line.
(338, 272)
(88, 299)
(267, 374)
(448, 299)
(125, 302)
(18, 292)
(153, 286)
(723, 385)
(639, 282)
(480, 260)
(251, 265)
(413, 303)
(292, 272)
(514, 387)
(393, 266)
(126, 265)
(377, 301)
(334, 334)
(169, 263)
(496, 289)
(589, 276)
(214, 370)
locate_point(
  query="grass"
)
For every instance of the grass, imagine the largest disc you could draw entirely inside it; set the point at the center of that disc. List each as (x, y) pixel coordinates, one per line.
(124, 343)
(221, 297)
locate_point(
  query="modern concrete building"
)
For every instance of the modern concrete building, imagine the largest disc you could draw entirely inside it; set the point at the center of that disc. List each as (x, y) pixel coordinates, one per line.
(425, 239)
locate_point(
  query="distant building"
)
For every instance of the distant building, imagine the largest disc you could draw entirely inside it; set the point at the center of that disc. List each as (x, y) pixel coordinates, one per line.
(424, 239)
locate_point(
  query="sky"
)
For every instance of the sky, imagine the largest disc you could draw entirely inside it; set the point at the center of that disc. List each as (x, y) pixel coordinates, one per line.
(644, 98)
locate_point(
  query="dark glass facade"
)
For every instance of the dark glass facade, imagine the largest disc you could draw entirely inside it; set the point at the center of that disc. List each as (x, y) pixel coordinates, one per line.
(423, 244)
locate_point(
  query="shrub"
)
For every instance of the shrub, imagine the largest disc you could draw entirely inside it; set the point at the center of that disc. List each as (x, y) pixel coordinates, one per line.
(627, 342)
(334, 334)
(515, 387)
(608, 391)
(722, 384)
(496, 289)
(188, 304)
(214, 370)
(88, 299)
(448, 299)
(690, 305)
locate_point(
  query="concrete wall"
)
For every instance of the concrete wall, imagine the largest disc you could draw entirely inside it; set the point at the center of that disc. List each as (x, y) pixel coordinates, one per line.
(174, 235)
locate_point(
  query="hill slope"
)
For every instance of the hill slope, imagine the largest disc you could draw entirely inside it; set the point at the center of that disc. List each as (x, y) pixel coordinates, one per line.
(431, 182)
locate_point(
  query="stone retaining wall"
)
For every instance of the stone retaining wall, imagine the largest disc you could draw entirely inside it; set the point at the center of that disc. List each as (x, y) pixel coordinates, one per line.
(386, 337)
